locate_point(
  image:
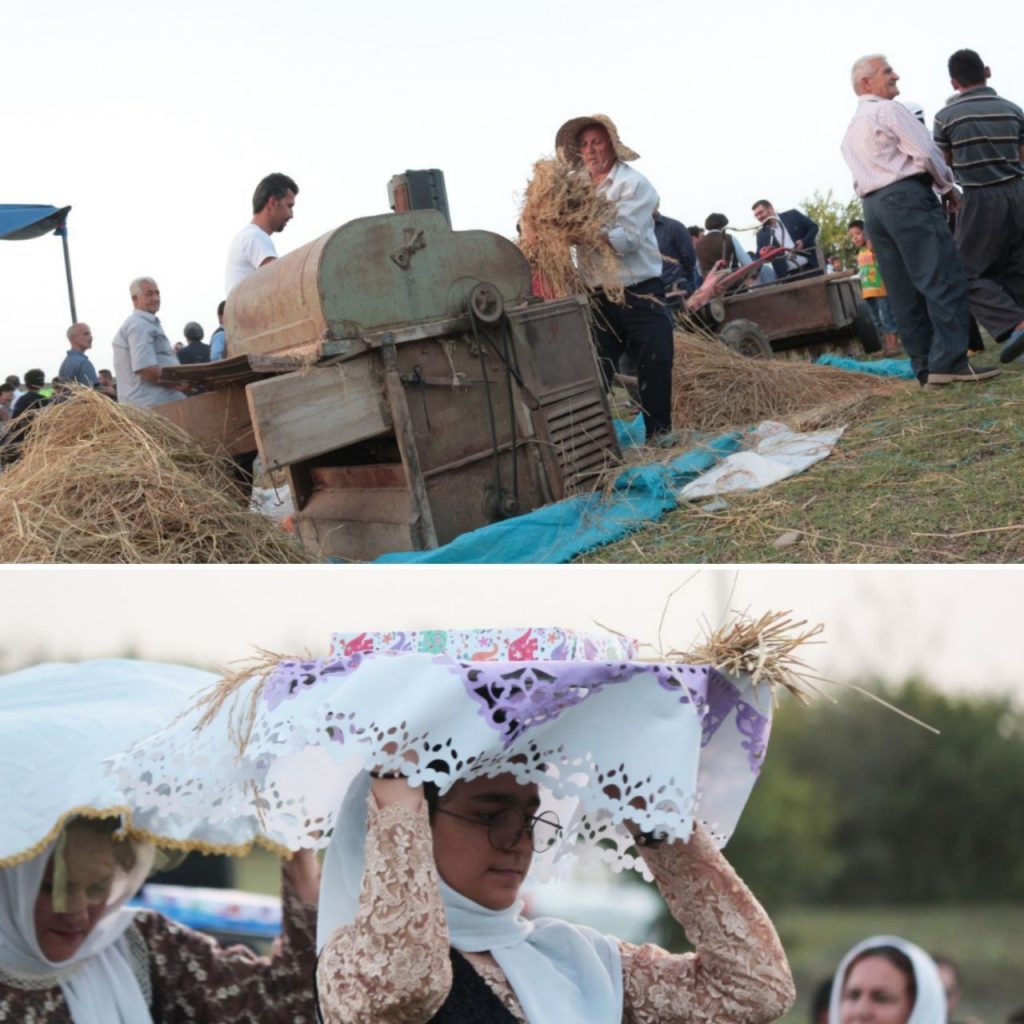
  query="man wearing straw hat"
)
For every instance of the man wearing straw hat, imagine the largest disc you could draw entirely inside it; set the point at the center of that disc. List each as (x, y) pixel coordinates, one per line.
(640, 324)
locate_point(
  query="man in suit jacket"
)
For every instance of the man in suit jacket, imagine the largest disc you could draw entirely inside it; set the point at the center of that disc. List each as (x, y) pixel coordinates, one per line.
(790, 229)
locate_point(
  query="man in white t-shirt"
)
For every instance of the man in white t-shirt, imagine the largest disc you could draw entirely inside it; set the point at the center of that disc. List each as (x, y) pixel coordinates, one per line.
(273, 205)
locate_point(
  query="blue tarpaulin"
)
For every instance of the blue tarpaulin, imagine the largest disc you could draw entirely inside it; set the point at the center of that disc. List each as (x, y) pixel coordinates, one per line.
(19, 222)
(878, 367)
(556, 533)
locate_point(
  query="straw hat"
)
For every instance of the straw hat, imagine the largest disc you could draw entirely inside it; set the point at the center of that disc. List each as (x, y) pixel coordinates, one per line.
(565, 140)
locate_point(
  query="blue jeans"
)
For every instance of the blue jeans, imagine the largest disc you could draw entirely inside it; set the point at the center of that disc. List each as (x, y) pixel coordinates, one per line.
(923, 275)
(881, 315)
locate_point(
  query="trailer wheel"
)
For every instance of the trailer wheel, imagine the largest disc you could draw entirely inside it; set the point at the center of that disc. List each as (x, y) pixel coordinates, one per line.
(746, 338)
(864, 328)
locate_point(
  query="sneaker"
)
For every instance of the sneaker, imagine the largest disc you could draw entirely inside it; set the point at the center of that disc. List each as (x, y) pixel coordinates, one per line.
(1013, 346)
(971, 375)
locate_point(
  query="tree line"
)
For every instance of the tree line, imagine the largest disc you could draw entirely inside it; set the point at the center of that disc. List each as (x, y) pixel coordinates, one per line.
(856, 804)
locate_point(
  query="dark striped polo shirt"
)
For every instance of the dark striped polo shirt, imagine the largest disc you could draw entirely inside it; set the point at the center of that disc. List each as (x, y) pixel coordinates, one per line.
(984, 133)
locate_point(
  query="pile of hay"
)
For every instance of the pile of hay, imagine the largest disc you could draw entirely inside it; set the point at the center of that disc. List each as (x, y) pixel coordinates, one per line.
(714, 388)
(107, 483)
(563, 209)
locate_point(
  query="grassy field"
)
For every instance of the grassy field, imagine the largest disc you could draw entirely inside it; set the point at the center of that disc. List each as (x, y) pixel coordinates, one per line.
(930, 475)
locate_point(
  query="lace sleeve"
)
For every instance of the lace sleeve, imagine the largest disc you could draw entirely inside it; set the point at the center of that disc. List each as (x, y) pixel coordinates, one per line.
(738, 974)
(196, 979)
(391, 966)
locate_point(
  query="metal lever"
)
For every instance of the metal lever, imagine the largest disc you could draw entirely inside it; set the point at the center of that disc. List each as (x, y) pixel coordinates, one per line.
(413, 241)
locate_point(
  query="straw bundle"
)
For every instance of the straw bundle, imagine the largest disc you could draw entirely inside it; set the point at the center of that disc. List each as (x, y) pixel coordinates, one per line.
(763, 649)
(562, 209)
(241, 717)
(102, 482)
(714, 388)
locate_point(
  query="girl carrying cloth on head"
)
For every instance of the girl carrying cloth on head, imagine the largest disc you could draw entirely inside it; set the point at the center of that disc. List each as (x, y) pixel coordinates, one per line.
(420, 912)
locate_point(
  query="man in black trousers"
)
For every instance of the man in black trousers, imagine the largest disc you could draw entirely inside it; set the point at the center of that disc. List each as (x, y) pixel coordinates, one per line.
(981, 136)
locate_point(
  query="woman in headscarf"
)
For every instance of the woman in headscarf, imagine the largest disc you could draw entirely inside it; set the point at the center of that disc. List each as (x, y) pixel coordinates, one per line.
(424, 922)
(71, 951)
(887, 980)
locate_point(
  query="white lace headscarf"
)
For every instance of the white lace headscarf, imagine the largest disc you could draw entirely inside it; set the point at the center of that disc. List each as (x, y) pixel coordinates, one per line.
(558, 971)
(97, 981)
(930, 1004)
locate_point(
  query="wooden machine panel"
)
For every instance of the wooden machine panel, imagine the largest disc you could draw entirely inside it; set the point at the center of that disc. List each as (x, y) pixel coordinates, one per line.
(301, 415)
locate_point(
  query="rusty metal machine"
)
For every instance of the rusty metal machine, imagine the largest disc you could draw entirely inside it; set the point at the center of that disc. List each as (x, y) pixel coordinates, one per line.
(410, 386)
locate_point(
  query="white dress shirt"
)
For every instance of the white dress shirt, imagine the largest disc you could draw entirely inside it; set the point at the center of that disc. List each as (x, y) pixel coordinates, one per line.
(886, 143)
(631, 234)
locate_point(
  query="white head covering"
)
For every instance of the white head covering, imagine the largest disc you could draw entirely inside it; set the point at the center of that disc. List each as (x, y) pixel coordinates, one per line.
(97, 981)
(930, 1004)
(559, 972)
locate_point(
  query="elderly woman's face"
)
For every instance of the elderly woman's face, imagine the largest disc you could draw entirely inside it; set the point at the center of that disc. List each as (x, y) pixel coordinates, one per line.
(91, 870)
(463, 850)
(596, 150)
(875, 992)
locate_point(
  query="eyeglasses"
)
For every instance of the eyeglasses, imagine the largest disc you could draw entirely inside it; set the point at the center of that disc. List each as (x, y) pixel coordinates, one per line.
(506, 827)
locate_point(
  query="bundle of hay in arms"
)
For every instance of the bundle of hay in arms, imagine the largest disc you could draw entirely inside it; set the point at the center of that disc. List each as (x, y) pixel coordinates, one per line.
(714, 388)
(562, 210)
(108, 483)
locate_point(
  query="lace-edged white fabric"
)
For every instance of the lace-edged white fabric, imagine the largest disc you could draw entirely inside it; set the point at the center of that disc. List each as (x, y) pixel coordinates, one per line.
(608, 738)
(59, 721)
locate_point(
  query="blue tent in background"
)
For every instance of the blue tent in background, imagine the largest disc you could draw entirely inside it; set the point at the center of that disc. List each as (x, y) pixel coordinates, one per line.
(19, 222)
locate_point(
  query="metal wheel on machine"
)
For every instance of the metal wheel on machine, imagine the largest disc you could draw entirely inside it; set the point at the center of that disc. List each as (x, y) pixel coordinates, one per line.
(864, 328)
(746, 338)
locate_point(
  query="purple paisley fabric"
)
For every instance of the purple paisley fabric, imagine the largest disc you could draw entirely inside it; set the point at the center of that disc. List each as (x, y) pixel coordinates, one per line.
(516, 696)
(291, 678)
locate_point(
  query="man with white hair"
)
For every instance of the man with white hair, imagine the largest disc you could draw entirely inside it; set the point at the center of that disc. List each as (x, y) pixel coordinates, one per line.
(896, 169)
(640, 326)
(141, 348)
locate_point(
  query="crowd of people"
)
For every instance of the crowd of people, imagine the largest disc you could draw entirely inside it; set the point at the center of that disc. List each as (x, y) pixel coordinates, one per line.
(927, 286)
(418, 919)
(141, 346)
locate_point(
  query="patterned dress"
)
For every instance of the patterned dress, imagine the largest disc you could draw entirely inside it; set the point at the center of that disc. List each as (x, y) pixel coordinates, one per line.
(187, 976)
(392, 965)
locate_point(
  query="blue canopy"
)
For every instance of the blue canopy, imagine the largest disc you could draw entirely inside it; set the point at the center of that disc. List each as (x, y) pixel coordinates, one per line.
(18, 222)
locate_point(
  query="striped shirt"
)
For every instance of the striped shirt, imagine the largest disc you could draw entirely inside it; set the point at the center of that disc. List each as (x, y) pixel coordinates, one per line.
(885, 143)
(984, 133)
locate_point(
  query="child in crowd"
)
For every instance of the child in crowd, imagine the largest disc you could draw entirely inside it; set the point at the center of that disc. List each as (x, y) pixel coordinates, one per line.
(872, 289)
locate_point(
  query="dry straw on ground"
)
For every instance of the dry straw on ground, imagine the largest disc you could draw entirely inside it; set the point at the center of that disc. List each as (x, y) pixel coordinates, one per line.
(107, 483)
(714, 388)
(562, 209)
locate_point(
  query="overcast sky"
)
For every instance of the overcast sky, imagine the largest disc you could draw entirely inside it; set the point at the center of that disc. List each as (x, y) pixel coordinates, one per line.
(154, 122)
(959, 628)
